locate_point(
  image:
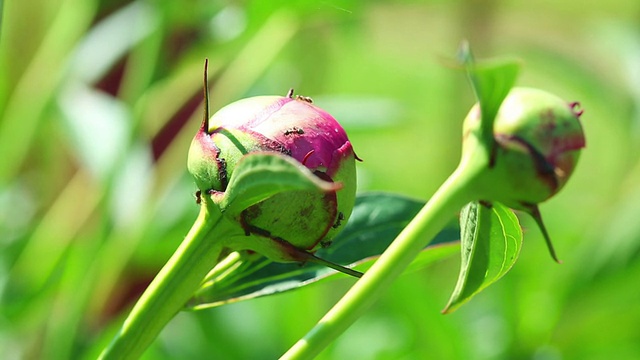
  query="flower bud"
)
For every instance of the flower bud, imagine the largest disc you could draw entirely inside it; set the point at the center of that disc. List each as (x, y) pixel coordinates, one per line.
(289, 126)
(538, 138)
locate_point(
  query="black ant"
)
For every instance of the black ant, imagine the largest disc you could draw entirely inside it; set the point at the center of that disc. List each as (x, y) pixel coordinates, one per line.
(294, 130)
(299, 97)
(339, 220)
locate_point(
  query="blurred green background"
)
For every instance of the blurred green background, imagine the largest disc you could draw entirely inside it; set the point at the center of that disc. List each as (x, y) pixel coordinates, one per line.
(99, 100)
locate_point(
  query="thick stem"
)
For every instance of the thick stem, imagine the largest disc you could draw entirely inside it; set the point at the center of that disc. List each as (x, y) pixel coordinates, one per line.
(173, 286)
(451, 196)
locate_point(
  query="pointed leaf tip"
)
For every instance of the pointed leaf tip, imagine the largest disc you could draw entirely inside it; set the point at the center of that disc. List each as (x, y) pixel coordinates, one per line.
(534, 212)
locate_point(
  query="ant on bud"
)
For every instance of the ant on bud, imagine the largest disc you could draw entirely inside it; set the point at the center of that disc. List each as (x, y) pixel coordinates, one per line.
(294, 130)
(299, 97)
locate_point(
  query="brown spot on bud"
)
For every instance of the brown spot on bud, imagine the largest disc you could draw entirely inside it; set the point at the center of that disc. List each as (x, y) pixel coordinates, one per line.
(544, 169)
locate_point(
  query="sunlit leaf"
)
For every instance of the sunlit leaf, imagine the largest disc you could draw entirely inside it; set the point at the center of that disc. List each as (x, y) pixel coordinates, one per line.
(376, 220)
(491, 239)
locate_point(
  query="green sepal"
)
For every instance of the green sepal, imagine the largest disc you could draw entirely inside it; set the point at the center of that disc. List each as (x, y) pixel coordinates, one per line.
(491, 81)
(261, 175)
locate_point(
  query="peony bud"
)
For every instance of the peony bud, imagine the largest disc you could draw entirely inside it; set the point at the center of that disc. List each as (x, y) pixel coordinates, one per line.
(289, 126)
(538, 138)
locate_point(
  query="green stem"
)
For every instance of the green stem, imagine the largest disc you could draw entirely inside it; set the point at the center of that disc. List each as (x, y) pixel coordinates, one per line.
(450, 197)
(173, 286)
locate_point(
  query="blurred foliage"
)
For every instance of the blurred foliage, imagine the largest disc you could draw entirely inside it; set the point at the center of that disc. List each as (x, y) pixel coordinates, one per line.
(100, 99)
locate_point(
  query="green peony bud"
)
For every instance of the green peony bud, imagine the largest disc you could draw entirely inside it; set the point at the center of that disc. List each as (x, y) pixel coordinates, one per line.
(538, 138)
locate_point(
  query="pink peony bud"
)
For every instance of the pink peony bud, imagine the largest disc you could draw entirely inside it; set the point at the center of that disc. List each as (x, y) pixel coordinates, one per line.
(289, 126)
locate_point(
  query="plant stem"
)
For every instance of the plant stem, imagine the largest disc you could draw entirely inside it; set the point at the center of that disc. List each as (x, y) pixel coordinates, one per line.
(173, 286)
(449, 198)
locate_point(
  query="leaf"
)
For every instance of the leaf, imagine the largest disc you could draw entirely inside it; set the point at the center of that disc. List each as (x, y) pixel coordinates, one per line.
(491, 81)
(376, 220)
(258, 176)
(491, 241)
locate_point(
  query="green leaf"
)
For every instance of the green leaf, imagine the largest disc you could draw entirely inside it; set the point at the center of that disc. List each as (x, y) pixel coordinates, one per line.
(491, 241)
(491, 81)
(260, 175)
(376, 220)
